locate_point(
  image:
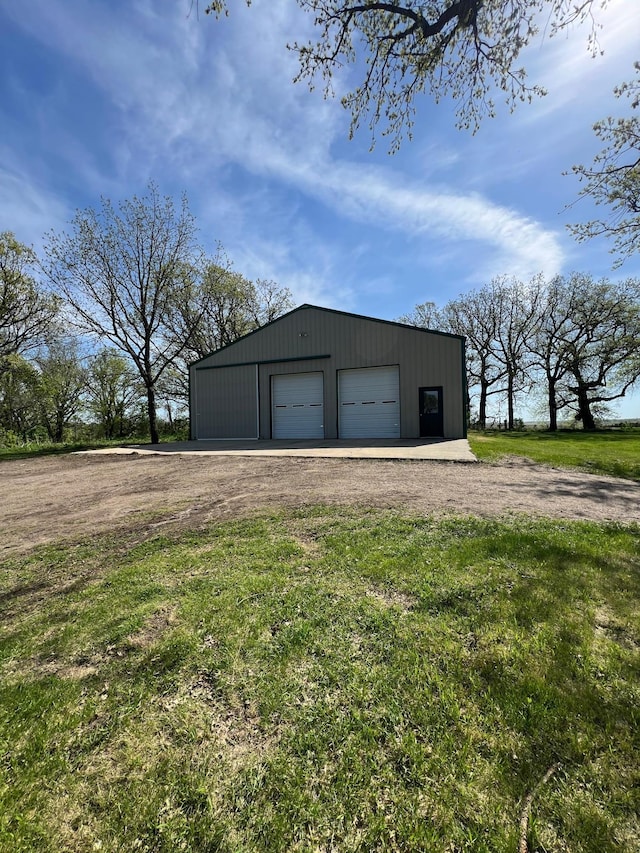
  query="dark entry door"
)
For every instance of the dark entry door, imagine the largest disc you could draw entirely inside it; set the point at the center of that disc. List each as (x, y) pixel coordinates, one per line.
(431, 411)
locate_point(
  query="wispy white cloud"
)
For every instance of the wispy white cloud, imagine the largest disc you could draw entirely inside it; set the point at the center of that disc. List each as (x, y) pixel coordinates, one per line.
(187, 94)
(576, 80)
(385, 199)
(27, 206)
(197, 102)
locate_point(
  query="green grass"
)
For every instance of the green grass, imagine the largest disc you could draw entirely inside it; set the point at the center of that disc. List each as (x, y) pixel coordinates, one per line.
(608, 452)
(324, 681)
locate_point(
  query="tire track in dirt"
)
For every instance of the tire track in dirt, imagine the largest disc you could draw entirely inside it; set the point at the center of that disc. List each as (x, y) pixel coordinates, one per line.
(70, 497)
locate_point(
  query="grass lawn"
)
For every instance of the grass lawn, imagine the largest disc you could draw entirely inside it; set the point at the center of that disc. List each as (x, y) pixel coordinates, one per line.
(607, 452)
(324, 680)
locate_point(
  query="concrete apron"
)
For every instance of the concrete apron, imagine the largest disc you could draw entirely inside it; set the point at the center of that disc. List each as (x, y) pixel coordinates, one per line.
(447, 450)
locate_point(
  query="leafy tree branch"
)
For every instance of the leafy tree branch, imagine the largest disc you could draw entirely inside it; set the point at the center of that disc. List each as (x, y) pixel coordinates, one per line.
(465, 49)
(613, 179)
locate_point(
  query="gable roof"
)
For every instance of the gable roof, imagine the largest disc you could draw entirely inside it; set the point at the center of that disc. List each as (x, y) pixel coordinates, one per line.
(305, 306)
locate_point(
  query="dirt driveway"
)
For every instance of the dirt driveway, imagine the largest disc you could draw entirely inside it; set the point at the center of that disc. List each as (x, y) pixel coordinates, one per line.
(70, 497)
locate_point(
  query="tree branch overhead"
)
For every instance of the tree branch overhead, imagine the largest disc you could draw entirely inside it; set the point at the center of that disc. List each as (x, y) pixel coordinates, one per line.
(463, 49)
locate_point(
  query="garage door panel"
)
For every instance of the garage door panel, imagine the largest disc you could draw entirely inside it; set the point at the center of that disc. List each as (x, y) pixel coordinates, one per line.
(369, 402)
(297, 405)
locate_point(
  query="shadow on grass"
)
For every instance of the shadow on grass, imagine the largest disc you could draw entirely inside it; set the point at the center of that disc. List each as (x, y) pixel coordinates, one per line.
(520, 610)
(624, 491)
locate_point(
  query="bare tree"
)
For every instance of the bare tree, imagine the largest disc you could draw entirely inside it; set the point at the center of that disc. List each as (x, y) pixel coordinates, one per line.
(121, 272)
(582, 336)
(476, 315)
(516, 308)
(601, 342)
(426, 315)
(549, 343)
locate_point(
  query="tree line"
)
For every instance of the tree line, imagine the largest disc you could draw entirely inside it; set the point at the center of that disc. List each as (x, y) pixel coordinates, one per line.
(108, 318)
(572, 340)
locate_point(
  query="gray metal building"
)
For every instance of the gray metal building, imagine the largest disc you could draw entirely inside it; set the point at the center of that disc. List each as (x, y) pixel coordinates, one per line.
(317, 373)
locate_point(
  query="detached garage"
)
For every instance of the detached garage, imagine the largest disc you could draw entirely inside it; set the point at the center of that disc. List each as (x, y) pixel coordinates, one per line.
(316, 373)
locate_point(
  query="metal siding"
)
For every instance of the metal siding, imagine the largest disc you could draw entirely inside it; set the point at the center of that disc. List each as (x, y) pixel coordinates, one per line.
(369, 403)
(297, 405)
(226, 403)
(425, 359)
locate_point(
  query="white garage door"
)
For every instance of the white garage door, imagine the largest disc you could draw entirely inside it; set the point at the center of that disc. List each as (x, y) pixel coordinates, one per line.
(297, 409)
(369, 402)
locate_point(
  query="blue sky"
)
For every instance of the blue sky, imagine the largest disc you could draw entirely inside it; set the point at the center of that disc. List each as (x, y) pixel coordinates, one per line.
(98, 98)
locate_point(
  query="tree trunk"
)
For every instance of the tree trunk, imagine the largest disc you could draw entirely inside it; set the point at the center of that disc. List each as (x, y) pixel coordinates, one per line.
(584, 411)
(118, 421)
(510, 401)
(482, 406)
(49, 425)
(151, 411)
(553, 406)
